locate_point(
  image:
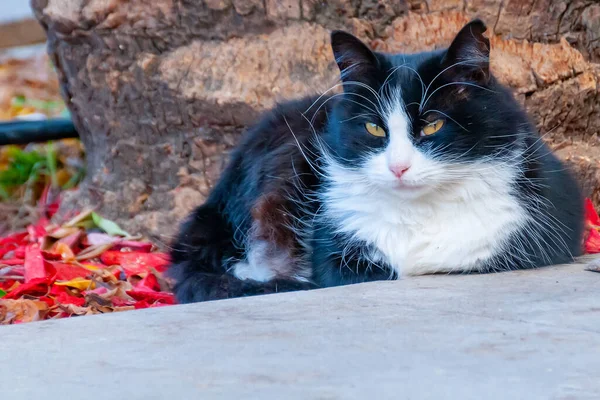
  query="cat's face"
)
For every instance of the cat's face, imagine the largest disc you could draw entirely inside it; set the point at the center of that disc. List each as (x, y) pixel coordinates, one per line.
(417, 123)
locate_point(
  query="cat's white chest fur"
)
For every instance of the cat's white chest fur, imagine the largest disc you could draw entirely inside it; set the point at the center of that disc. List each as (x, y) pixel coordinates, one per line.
(450, 230)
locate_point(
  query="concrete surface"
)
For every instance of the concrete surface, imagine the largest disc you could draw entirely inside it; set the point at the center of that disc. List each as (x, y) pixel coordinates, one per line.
(519, 335)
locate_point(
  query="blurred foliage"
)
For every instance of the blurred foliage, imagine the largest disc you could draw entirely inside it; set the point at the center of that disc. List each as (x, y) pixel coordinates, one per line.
(27, 170)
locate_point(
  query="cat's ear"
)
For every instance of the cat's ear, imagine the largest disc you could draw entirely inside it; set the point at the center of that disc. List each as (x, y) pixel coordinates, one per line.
(352, 56)
(468, 57)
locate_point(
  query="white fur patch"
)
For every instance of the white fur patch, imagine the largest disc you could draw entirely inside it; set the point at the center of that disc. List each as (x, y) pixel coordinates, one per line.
(265, 262)
(262, 262)
(451, 229)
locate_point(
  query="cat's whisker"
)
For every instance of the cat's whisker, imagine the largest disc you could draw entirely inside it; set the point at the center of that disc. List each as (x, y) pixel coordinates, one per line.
(459, 63)
(455, 83)
(423, 90)
(369, 88)
(344, 98)
(358, 116)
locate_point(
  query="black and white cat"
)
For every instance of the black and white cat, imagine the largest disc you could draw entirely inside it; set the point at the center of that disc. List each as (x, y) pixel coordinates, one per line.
(424, 164)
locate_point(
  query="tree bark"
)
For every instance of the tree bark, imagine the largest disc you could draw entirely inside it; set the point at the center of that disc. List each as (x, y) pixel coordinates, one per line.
(161, 91)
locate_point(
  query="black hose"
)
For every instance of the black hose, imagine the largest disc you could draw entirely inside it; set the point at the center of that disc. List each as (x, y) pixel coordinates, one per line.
(23, 132)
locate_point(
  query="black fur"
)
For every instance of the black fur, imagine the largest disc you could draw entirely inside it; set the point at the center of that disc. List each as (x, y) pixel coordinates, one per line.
(270, 188)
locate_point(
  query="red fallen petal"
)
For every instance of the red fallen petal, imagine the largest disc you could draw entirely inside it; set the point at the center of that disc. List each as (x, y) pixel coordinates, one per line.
(144, 304)
(6, 285)
(20, 252)
(50, 256)
(64, 298)
(67, 272)
(135, 262)
(150, 282)
(167, 298)
(16, 238)
(13, 261)
(141, 305)
(34, 264)
(47, 300)
(591, 215)
(12, 242)
(57, 290)
(592, 242)
(52, 209)
(35, 287)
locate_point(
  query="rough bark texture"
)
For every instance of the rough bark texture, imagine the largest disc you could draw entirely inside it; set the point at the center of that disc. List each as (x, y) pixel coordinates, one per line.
(161, 90)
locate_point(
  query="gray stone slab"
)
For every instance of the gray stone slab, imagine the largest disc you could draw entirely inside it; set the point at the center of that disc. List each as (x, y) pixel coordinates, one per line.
(518, 335)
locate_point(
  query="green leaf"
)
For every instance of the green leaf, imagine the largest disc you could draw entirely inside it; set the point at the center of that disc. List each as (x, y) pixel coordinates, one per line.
(108, 226)
(86, 224)
(44, 104)
(19, 101)
(51, 162)
(2, 293)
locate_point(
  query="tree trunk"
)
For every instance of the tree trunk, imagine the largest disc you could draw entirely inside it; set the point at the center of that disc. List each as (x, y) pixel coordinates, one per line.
(160, 91)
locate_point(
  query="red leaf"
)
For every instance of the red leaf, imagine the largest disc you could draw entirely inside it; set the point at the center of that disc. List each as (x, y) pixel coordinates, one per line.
(591, 215)
(57, 290)
(64, 298)
(47, 300)
(67, 272)
(592, 242)
(144, 304)
(167, 298)
(13, 261)
(135, 262)
(51, 256)
(150, 282)
(35, 287)
(141, 305)
(16, 239)
(20, 252)
(34, 264)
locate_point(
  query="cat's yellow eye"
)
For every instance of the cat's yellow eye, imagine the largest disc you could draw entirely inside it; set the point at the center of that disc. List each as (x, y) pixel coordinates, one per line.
(375, 129)
(432, 127)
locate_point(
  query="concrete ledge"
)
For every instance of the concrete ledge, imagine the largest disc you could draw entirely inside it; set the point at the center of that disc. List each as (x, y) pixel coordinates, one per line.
(518, 335)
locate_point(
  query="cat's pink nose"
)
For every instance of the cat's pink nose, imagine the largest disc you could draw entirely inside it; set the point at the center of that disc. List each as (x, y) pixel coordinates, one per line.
(398, 170)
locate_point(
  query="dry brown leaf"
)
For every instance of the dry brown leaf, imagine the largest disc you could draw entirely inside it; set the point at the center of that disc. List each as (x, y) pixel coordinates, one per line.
(62, 232)
(93, 251)
(73, 309)
(22, 310)
(79, 218)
